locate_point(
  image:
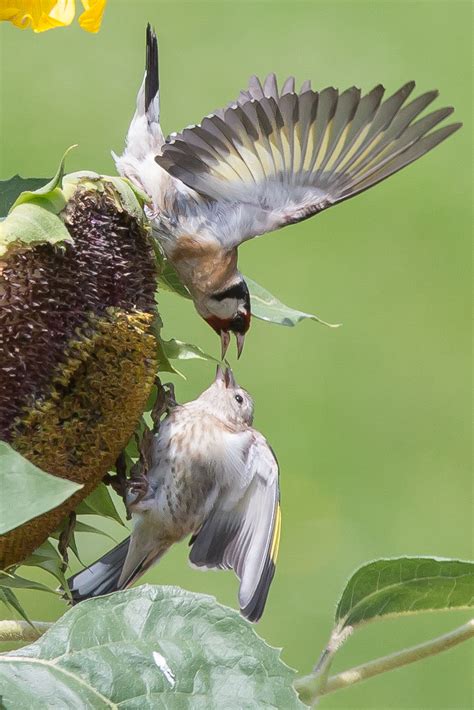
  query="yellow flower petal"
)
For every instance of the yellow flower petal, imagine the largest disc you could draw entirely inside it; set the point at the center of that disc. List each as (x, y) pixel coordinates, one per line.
(92, 16)
(40, 15)
(7, 13)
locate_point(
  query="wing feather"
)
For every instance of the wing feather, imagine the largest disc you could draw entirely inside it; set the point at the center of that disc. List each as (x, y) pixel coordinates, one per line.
(245, 535)
(285, 156)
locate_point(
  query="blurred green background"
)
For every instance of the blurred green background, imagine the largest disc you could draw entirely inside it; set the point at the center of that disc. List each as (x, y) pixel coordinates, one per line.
(371, 422)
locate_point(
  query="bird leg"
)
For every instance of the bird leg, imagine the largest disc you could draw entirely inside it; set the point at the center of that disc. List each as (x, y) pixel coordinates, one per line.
(170, 397)
(118, 481)
(138, 485)
(165, 401)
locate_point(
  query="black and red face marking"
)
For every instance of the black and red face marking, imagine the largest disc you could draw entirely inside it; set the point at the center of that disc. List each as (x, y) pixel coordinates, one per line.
(239, 291)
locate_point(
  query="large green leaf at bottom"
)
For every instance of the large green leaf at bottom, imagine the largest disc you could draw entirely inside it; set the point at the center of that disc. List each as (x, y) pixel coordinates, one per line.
(405, 585)
(150, 647)
(26, 491)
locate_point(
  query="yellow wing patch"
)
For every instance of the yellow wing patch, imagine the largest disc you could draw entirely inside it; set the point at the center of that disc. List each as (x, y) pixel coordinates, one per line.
(276, 535)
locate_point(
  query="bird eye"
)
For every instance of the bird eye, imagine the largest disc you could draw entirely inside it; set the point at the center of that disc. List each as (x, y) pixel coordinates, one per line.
(239, 398)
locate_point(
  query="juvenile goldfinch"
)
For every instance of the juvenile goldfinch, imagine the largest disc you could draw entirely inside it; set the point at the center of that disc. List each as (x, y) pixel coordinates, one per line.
(210, 475)
(271, 158)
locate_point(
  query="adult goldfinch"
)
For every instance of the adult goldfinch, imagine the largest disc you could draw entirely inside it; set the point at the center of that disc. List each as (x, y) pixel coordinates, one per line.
(274, 157)
(210, 475)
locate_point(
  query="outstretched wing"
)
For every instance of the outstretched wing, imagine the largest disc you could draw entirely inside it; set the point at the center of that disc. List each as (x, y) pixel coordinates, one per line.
(285, 156)
(243, 534)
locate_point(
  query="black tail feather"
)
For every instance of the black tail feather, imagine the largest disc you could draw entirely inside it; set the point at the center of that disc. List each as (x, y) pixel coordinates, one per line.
(152, 80)
(101, 577)
(254, 609)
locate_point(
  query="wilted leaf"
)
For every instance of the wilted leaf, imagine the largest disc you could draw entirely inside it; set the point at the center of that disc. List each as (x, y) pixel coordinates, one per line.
(131, 198)
(26, 490)
(403, 586)
(99, 502)
(48, 196)
(79, 527)
(10, 189)
(71, 542)
(149, 647)
(268, 308)
(30, 224)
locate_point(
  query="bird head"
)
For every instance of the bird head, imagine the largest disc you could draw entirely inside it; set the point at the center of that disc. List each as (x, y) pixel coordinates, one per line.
(227, 400)
(228, 311)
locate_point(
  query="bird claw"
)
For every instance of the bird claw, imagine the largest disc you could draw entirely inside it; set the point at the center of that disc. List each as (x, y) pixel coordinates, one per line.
(170, 398)
(138, 486)
(165, 401)
(119, 481)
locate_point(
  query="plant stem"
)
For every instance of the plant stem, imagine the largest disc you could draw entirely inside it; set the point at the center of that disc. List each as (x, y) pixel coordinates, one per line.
(22, 631)
(401, 658)
(310, 688)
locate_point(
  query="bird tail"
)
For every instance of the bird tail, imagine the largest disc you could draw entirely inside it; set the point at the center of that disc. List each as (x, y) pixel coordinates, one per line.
(119, 568)
(144, 137)
(152, 77)
(102, 577)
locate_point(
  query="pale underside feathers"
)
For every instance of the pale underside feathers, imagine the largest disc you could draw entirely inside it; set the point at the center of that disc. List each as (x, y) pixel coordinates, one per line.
(288, 155)
(244, 535)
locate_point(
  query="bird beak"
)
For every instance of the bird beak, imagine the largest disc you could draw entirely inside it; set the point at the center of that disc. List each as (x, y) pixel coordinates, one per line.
(220, 376)
(229, 378)
(240, 338)
(225, 340)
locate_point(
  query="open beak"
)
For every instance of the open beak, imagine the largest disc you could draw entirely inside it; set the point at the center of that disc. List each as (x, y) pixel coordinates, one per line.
(229, 379)
(225, 340)
(240, 338)
(220, 375)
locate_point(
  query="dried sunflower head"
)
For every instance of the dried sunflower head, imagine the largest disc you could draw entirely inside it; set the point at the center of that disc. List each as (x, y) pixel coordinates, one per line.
(77, 349)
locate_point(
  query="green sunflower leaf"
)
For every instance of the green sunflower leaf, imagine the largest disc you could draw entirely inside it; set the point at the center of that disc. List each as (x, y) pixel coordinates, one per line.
(50, 195)
(267, 307)
(10, 600)
(186, 651)
(27, 491)
(13, 581)
(29, 224)
(99, 502)
(405, 585)
(177, 350)
(47, 557)
(12, 188)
